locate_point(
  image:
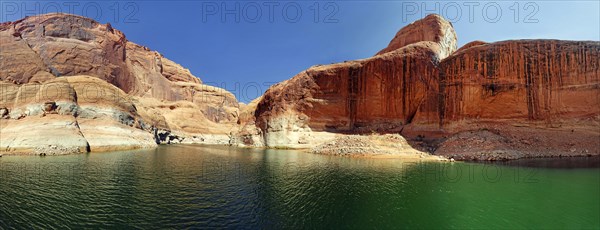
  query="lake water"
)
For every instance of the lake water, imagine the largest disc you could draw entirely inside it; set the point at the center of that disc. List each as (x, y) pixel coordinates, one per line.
(182, 186)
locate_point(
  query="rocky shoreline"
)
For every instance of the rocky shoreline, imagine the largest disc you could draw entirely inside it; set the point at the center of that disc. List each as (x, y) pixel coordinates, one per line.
(373, 146)
(502, 145)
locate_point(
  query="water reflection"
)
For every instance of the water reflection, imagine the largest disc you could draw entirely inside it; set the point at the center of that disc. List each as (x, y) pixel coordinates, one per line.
(216, 186)
(558, 163)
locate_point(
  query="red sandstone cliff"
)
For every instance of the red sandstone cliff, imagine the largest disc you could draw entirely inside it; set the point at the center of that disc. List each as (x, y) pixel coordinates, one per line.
(85, 87)
(381, 93)
(515, 98)
(532, 80)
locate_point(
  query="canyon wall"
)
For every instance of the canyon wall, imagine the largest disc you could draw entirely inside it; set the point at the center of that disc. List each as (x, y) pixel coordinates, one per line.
(525, 80)
(515, 99)
(69, 84)
(378, 94)
(164, 100)
(553, 79)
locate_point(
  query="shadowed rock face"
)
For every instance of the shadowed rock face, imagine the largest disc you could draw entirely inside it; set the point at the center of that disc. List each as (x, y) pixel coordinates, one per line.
(50, 50)
(529, 93)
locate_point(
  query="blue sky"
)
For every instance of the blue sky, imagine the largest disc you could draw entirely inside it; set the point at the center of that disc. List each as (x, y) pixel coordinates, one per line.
(271, 41)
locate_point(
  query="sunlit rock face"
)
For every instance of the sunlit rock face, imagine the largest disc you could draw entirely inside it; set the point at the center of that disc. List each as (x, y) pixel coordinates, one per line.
(529, 80)
(528, 92)
(381, 93)
(378, 93)
(62, 116)
(432, 28)
(54, 50)
(69, 84)
(68, 45)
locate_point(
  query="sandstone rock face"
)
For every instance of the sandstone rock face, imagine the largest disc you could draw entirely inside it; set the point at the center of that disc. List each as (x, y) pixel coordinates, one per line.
(432, 28)
(471, 44)
(70, 115)
(128, 95)
(381, 93)
(527, 80)
(248, 134)
(528, 92)
(67, 45)
(378, 93)
(36, 135)
(69, 84)
(541, 97)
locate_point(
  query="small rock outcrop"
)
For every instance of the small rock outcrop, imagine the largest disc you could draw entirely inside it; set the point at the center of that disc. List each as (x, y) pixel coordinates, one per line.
(432, 28)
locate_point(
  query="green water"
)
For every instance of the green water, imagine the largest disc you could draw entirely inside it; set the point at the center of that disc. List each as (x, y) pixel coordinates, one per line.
(205, 187)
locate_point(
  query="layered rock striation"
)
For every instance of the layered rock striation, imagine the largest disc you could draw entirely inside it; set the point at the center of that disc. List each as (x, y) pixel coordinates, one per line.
(529, 80)
(62, 116)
